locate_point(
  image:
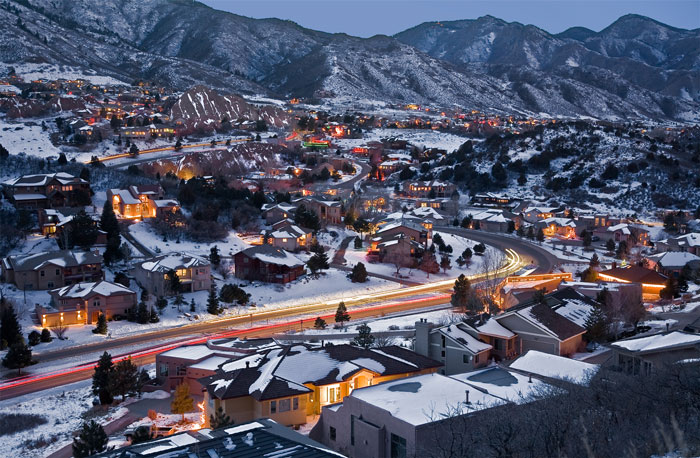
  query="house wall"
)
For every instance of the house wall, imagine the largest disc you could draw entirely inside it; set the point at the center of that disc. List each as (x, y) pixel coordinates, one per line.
(531, 337)
(571, 345)
(54, 276)
(453, 355)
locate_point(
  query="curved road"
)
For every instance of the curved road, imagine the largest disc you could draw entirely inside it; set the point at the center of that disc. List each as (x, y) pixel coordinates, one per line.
(531, 254)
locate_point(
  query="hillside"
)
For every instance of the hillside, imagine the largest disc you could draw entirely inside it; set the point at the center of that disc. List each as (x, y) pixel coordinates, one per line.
(625, 71)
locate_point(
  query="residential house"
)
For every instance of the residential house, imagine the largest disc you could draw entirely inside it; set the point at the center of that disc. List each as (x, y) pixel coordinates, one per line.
(262, 437)
(644, 355)
(289, 383)
(142, 201)
(494, 220)
(532, 214)
(47, 190)
(632, 235)
(194, 273)
(541, 328)
(328, 211)
(52, 269)
(456, 346)
(413, 231)
(410, 417)
(432, 189)
(81, 303)
(518, 289)
(652, 282)
(672, 263)
(279, 212)
(189, 363)
(553, 226)
(268, 264)
(491, 199)
(395, 249)
(59, 222)
(687, 242)
(288, 236)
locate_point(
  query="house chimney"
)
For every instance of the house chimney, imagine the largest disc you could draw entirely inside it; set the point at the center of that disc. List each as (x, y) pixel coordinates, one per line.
(466, 393)
(529, 379)
(247, 364)
(614, 265)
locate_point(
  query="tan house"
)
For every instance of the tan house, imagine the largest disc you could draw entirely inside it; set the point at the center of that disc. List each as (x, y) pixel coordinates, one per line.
(193, 271)
(644, 355)
(289, 383)
(52, 269)
(139, 202)
(288, 236)
(81, 303)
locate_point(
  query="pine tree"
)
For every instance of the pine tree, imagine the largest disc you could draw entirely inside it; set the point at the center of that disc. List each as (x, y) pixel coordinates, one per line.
(429, 264)
(173, 281)
(214, 257)
(123, 378)
(179, 301)
(91, 440)
(461, 292)
(594, 262)
(587, 239)
(101, 327)
(10, 329)
(540, 235)
(109, 224)
(445, 263)
(213, 306)
(101, 379)
(364, 338)
(219, 419)
(162, 302)
(83, 232)
(320, 323)
(359, 273)
(341, 314)
(142, 314)
(34, 338)
(193, 307)
(153, 316)
(317, 262)
(18, 356)
(520, 231)
(610, 245)
(183, 402)
(141, 434)
(46, 335)
(596, 325)
(530, 233)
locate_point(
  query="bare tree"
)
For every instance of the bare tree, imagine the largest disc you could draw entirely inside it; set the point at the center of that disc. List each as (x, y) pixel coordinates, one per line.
(488, 283)
(59, 330)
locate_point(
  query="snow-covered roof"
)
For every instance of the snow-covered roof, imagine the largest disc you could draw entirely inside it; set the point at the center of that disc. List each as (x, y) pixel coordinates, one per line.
(624, 228)
(575, 310)
(563, 222)
(458, 332)
(211, 363)
(42, 179)
(553, 366)
(191, 352)
(125, 196)
(671, 259)
(658, 342)
(425, 398)
(173, 261)
(83, 290)
(166, 203)
(492, 327)
(272, 255)
(28, 196)
(506, 385)
(61, 258)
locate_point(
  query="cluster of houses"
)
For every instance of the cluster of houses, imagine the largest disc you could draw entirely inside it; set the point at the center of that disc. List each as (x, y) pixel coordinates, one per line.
(392, 401)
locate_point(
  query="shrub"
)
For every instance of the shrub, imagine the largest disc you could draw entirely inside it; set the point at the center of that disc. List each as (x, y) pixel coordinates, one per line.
(34, 338)
(11, 423)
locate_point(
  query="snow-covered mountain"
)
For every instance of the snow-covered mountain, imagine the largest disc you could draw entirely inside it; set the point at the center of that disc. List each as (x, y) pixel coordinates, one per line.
(624, 71)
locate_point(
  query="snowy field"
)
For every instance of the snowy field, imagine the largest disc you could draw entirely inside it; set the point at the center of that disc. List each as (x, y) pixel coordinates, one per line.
(64, 408)
(27, 137)
(418, 137)
(33, 71)
(459, 244)
(144, 233)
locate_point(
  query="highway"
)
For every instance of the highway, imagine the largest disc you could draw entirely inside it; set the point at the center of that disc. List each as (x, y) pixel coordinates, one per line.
(163, 149)
(254, 324)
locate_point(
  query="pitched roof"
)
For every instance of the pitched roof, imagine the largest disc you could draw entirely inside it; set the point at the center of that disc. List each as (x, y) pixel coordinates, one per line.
(283, 371)
(61, 258)
(635, 274)
(173, 261)
(42, 179)
(460, 334)
(269, 254)
(658, 342)
(553, 322)
(84, 290)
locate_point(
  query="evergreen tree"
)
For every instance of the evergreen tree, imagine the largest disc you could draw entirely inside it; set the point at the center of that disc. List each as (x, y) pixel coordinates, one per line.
(34, 338)
(445, 263)
(179, 301)
(141, 434)
(429, 264)
(671, 289)
(213, 306)
(364, 338)
(142, 314)
(359, 273)
(193, 307)
(18, 356)
(91, 440)
(101, 327)
(162, 302)
(153, 316)
(610, 245)
(101, 379)
(317, 262)
(109, 224)
(479, 249)
(587, 239)
(10, 330)
(182, 402)
(358, 243)
(511, 227)
(461, 292)
(540, 235)
(46, 335)
(173, 281)
(214, 257)
(467, 254)
(520, 231)
(62, 160)
(83, 232)
(530, 233)
(123, 378)
(341, 314)
(594, 262)
(219, 419)
(320, 323)
(596, 325)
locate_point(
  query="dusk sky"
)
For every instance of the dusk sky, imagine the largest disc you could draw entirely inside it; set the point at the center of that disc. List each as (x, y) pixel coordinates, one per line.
(370, 17)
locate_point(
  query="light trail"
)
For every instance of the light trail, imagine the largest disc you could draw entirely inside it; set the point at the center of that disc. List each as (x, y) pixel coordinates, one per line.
(166, 148)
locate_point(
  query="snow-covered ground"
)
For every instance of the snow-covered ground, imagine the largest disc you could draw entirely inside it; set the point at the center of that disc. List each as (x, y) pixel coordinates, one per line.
(144, 233)
(459, 244)
(34, 71)
(27, 137)
(65, 408)
(418, 137)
